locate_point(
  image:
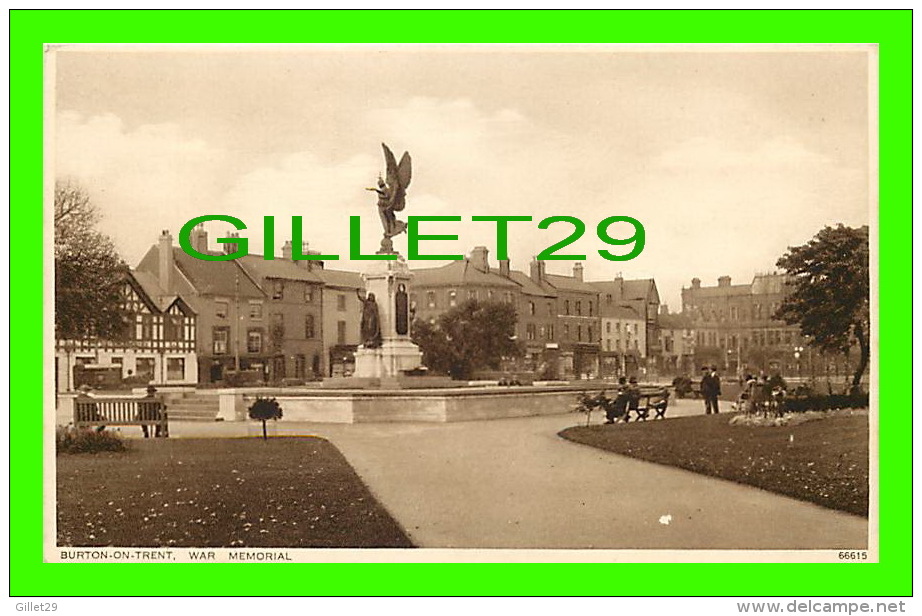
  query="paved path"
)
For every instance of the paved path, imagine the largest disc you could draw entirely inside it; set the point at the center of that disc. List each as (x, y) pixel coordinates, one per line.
(513, 483)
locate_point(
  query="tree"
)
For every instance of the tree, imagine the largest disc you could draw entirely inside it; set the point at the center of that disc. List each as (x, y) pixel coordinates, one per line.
(472, 336)
(89, 274)
(830, 292)
(264, 409)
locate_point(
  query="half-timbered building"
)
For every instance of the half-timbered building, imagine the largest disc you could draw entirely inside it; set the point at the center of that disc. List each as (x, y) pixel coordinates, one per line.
(157, 346)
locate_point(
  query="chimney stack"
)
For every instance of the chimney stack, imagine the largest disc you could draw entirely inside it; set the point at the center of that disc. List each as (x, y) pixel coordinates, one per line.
(231, 247)
(696, 283)
(504, 268)
(578, 271)
(199, 239)
(723, 281)
(286, 250)
(479, 259)
(165, 269)
(664, 309)
(536, 271)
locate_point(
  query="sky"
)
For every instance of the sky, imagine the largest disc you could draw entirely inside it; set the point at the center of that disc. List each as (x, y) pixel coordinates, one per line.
(727, 157)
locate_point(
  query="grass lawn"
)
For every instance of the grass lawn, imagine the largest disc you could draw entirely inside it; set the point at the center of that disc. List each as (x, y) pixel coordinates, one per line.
(826, 462)
(284, 492)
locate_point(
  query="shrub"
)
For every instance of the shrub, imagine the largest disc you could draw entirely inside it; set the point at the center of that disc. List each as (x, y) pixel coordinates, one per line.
(86, 440)
(815, 402)
(265, 409)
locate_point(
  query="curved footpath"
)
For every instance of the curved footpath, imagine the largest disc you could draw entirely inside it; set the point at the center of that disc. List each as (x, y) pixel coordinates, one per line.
(513, 483)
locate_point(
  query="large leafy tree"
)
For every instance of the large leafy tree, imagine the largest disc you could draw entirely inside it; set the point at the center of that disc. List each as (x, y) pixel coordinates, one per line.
(472, 336)
(830, 292)
(89, 274)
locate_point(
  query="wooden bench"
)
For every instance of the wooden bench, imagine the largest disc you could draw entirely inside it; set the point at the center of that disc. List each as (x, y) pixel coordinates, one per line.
(657, 401)
(101, 412)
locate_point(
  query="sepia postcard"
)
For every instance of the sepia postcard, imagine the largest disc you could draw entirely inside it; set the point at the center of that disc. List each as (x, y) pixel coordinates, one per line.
(461, 303)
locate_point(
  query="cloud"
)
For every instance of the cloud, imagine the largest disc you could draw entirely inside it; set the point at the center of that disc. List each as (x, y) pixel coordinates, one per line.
(141, 179)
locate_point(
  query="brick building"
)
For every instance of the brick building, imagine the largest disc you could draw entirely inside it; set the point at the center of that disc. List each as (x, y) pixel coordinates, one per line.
(735, 330)
(342, 318)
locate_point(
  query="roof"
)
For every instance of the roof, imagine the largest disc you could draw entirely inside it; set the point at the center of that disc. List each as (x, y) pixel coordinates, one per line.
(148, 283)
(339, 278)
(763, 284)
(622, 312)
(640, 288)
(529, 287)
(674, 321)
(206, 277)
(569, 283)
(278, 268)
(459, 273)
(718, 291)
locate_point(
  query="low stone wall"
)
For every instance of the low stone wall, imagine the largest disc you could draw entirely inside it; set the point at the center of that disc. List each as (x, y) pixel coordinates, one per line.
(438, 406)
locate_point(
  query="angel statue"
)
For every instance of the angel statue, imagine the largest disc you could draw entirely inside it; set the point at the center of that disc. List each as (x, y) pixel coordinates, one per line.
(392, 193)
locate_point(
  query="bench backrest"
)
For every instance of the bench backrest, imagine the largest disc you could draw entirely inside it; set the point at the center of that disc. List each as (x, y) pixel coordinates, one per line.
(118, 410)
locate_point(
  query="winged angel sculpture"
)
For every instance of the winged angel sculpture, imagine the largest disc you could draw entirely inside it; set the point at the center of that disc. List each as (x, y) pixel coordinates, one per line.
(392, 193)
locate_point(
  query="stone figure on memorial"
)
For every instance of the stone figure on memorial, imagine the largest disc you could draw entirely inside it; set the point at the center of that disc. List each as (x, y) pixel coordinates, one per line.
(371, 323)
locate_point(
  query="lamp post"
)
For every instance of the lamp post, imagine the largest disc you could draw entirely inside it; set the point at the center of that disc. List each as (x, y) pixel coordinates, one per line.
(797, 351)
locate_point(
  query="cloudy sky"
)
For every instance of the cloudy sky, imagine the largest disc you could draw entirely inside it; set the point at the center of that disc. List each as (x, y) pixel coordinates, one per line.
(727, 158)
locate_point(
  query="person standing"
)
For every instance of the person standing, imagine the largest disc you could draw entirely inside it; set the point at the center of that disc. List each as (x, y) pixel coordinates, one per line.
(710, 389)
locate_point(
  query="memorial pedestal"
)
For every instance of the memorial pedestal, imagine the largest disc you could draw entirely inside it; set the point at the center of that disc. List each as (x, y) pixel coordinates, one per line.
(389, 281)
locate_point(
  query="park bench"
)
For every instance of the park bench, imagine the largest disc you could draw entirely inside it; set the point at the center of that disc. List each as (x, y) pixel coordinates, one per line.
(651, 400)
(101, 412)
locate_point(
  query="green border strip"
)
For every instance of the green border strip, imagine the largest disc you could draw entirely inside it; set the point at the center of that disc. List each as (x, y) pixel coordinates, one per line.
(892, 30)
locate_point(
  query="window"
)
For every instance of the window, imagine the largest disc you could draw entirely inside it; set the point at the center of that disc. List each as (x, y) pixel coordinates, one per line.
(618, 344)
(608, 344)
(472, 294)
(144, 368)
(220, 309)
(590, 308)
(278, 290)
(531, 308)
(608, 300)
(607, 327)
(300, 365)
(530, 331)
(256, 310)
(618, 327)
(550, 309)
(175, 368)
(579, 308)
(507, 297)
(116, 361)
(309, 326)
(341, 302)
(254, 341)
(635, 345)
(172, 327)
(430, 299)
(219, 338)
(635, 329)
(589, 333)
(579, 333)
(566, 332)
(308, 295)
(340, 332)
(452, 298)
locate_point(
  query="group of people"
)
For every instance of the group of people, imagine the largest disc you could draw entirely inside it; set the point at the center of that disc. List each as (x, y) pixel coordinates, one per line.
(761, 395)
(628, 391)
